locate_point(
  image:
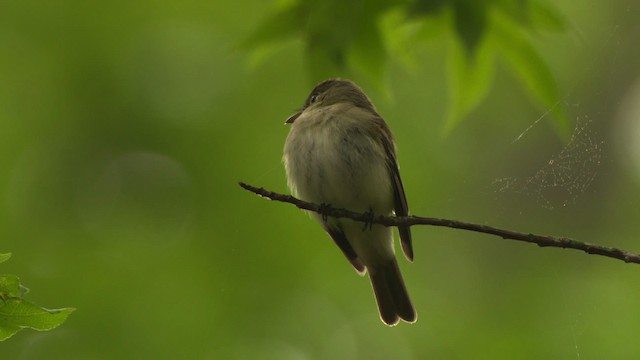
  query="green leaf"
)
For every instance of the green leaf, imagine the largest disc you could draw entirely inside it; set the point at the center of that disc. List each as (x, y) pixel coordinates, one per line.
(527, 65)
(269, 37)
(338, 36)
(329, 32)
(324, 60)
(368, 54)
(398, 35)
(401, 32)
(470, 77)
(17, 314)
(515, 9)
(427, 7)
(470, 22)
(283, 25)
(4, 257)
(544, 17)
(10, 287)
(342, 37)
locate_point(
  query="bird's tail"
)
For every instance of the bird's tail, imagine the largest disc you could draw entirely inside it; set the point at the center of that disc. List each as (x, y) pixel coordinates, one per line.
(391, 294)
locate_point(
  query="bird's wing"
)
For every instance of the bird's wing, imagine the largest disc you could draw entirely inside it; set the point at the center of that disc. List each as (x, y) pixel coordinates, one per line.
(340, 239)
(401, 208)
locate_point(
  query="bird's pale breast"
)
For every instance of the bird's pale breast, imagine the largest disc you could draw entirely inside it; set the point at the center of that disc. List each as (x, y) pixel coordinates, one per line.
(331, 157)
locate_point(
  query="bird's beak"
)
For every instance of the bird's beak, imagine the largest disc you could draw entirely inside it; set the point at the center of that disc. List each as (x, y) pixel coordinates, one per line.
(293, 117)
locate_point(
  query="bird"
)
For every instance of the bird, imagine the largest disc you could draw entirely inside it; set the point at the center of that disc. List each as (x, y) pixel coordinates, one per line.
(340, 153)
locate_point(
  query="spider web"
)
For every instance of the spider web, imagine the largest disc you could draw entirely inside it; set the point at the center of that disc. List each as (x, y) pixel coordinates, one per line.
(565, 176)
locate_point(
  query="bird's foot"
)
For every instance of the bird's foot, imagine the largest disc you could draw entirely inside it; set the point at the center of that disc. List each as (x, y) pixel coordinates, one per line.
(323, 211)
(370, 217)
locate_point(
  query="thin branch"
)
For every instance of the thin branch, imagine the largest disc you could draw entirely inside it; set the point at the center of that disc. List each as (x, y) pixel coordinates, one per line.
(540, 240)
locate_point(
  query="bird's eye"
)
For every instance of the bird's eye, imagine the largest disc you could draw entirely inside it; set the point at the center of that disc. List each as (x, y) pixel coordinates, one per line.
(313, 98)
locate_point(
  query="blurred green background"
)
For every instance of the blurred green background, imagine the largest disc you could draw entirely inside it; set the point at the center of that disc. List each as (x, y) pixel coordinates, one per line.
(125, 127)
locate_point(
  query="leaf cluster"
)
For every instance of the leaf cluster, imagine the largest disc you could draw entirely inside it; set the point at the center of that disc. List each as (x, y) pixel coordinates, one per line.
(346, 37)
(16, 313)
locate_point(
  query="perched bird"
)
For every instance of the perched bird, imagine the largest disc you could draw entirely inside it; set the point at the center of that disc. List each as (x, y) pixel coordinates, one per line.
(341, 153)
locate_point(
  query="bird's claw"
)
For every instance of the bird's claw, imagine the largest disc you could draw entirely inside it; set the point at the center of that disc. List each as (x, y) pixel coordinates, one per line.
(370, 217)
(323, 212)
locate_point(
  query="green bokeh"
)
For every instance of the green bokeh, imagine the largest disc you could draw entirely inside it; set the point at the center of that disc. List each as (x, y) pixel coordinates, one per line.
(125, 127)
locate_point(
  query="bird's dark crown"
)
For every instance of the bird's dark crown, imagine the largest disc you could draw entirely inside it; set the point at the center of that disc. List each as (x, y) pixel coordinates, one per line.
(334, 91)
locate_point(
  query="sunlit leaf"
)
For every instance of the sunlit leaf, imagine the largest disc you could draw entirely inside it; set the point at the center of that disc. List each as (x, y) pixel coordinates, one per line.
(17, 314)
(9, 286)
(398, 34)
(470, 77)
(434, 26)
(4, 257)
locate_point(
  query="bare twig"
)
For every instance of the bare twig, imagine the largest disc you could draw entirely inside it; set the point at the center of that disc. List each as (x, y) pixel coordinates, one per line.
(540, 240)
